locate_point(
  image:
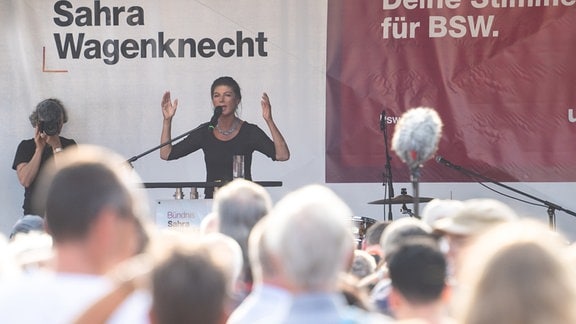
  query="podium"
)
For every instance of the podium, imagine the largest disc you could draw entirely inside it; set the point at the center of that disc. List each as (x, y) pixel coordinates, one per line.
(182, 212)
(212, 184)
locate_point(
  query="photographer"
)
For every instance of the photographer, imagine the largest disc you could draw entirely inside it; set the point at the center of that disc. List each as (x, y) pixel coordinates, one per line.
(47, 120)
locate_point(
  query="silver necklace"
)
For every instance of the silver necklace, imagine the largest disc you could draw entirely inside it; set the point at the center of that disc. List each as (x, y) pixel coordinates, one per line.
(229, 131)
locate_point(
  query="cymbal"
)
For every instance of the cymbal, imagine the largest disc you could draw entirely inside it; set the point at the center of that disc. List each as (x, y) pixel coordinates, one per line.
(398, 200)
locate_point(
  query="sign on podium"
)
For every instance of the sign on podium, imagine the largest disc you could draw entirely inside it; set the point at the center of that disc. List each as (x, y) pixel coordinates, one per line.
(182, 213)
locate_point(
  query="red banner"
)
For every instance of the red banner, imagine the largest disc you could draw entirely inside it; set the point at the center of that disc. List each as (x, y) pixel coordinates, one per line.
(501, 74)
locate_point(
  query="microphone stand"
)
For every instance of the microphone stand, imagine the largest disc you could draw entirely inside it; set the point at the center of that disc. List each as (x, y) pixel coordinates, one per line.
(552, 207)
(388, 174)
(414, 177)
(136, 157)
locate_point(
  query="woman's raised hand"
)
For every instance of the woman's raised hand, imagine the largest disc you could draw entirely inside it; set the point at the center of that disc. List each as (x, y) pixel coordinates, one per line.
(266, 107)
(168, 107)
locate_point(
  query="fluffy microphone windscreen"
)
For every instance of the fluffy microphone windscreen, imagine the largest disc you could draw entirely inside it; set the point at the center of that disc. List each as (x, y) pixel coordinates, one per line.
(416, 136)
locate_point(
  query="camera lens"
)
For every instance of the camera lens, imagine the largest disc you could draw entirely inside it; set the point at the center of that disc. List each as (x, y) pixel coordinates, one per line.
(49, 128)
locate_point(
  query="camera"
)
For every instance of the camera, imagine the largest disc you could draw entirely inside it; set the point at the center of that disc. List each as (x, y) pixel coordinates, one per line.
(49, 127)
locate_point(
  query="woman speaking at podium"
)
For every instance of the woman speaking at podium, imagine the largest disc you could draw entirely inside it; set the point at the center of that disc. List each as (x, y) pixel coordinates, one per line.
(225, 137)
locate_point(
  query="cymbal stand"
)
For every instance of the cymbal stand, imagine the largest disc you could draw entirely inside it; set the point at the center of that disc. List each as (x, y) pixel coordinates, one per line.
(406, 211)
(387, 175)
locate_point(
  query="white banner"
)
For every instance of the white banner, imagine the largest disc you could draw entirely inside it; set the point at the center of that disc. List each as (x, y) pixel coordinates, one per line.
(110, 62)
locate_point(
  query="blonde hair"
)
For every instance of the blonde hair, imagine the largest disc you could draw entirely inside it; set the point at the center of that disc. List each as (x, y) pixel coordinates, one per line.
(517, 273)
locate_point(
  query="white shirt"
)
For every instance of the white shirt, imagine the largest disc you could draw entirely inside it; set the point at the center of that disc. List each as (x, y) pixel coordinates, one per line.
(57, 298)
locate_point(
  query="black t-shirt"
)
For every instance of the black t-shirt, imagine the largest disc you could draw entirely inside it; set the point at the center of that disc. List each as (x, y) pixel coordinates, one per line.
(24, 154)
(218, 154)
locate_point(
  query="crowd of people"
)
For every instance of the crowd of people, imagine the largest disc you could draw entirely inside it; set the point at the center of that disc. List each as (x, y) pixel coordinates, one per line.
(85, 251)
(97, 258)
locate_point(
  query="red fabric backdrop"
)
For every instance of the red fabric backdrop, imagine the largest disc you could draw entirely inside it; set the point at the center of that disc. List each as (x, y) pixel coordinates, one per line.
(504, 94)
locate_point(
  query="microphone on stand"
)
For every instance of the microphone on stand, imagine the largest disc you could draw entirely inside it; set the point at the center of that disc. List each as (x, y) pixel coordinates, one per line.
(415, 141)
(416, 136)
(215, 116)
(447, 163)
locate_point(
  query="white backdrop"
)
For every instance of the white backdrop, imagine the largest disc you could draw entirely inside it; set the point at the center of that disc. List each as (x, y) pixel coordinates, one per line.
(118, 105)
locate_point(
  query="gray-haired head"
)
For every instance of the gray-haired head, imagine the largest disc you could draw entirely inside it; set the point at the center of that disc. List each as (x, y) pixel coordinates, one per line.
(50, 111)
(309, 231)
(238, 206)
